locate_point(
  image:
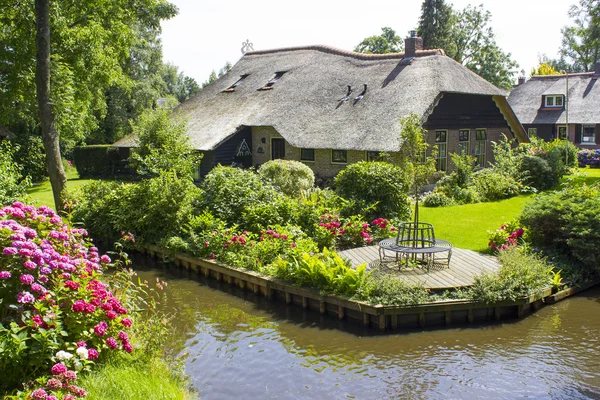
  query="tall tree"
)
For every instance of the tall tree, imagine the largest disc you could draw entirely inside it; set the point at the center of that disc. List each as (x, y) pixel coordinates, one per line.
(473, 44)
(387, 42)
(89, 39)
(581, 41)
(435, 24)
(214, 76)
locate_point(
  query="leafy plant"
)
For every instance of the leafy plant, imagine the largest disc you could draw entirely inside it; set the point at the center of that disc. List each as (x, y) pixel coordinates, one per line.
(12, 182)
(290, 177)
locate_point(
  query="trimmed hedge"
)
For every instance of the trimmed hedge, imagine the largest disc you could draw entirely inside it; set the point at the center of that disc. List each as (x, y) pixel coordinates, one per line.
(96, 161)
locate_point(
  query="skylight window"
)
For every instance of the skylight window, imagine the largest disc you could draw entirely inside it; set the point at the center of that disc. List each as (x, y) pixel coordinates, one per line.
(274, 79)
(236, 84)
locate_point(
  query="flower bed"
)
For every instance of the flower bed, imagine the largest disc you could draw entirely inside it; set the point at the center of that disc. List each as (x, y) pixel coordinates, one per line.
(589, 157)
(56, 315)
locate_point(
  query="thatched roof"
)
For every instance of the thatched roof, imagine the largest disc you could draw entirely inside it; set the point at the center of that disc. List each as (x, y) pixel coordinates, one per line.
(304, 107)
(584, 99)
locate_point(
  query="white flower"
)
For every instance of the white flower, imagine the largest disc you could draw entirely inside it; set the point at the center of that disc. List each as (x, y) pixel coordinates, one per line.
(82, 353)
(77, 365)
(63, 355)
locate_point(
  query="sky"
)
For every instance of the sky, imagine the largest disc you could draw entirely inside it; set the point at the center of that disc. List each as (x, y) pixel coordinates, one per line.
(208, 33)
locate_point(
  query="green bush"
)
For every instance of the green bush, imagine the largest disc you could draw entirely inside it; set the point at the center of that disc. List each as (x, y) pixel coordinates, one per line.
(12, 183)
(491, 185)
(96, 161)
(566, 221)
(229, 191)
(437, 199)
(31, 157)
(152, 210)
(378, 189)
(537, 173)
(521, 274)
(290, 177)
(386, 290)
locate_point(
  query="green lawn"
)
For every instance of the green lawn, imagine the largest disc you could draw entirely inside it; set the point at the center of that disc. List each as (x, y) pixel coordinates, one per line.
(41, 193)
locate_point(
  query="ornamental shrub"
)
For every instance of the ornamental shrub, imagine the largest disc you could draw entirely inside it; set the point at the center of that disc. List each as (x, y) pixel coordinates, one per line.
(566, 221)
(437, 199)
(537, 173)
(30, 155)
(491, 185)
(521, 274)
(56, 315)
(507, 235)
(289, 177)
(12, 182)
(377, 189)
(390, 290)
(229, 191)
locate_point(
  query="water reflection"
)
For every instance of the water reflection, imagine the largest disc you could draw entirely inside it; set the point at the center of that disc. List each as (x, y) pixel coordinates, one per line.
(241, 346)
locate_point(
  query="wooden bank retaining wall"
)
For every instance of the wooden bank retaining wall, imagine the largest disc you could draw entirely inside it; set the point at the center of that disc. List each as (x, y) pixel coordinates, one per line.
(436, 314)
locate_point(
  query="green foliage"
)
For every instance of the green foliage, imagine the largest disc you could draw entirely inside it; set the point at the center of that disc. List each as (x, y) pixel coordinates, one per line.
(214, 75)
(544, 69)
(325, 271)
(581, 41)
(152, 209)
(491, 185)
(387, 42)
(378, 189)
(31, 157)
(464, 166)
(229, 191)
(389, 290)
(163, 145)
(96, 160)
(521, 274)
(289, 177)
(437, 199)
(435, 24)
(537, 173)
(566, 221)
(12, 183)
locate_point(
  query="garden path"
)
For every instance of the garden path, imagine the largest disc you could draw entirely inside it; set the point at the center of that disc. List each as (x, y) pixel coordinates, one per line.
(464, 266)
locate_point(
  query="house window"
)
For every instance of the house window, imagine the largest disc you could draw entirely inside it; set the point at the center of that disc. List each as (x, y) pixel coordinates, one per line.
(441, 138)
(277, 148)
(307, 155)
(588, 136)
(339, 156)
(464, 146)
(480, 146)
(555, 100)
(236, 84)
(274, 79)
(531, 132)
(374, 156)
(562, 132)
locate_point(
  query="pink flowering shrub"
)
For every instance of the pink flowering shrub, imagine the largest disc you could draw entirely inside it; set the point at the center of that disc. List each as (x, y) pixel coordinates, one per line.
(352, 231)
(508, 235)
(55, 311)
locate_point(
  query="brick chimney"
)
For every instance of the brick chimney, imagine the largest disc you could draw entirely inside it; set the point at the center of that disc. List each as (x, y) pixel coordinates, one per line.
(521, 80)
(412, 44)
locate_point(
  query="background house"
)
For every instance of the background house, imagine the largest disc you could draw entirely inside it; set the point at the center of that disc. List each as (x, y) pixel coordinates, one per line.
(329, 107)
(544, 109)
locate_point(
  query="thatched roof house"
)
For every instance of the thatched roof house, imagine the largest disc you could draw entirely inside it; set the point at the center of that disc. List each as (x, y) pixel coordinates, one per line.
(329, 107)
(544, 108)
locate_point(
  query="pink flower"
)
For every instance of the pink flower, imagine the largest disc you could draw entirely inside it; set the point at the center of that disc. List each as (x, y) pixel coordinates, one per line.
(70, 375)
(36, 287)
(25, 297)
(92, 354)
(77, 391)
(81, 344)
(29, 265)
(9, 251)
(39, 394)
(123, 336)
(51, 398)
(58, 369)
(54, 384)
(105, 259)
(5, 275)
(127, 347)
(72, 285)
(212, 256)
(126, 322)
(112, 343)
(69, 397)
(111, 315)
(78, 306)
(27, 279)
(100, 329)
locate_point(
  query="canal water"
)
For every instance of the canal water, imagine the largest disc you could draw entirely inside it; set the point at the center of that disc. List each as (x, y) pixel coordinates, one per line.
(238, 346)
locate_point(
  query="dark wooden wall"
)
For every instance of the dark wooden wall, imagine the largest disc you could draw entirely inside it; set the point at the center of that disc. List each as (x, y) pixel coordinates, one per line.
(456, 111)
(226, 153)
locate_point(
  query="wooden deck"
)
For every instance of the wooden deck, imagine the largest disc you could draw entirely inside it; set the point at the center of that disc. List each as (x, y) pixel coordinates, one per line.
(464, 266)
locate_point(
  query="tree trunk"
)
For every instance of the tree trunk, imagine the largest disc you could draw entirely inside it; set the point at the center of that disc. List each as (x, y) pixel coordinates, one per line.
(58, 179)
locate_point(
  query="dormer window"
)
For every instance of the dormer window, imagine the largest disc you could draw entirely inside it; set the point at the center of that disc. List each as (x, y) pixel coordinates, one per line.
(236, 83)
(555, 100)
(274, 79)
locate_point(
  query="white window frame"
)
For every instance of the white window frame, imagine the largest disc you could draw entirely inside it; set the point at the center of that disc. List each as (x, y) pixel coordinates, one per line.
(468, 141)
(554, 98)
(593, 141)
(439, 158)
(484, 154)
